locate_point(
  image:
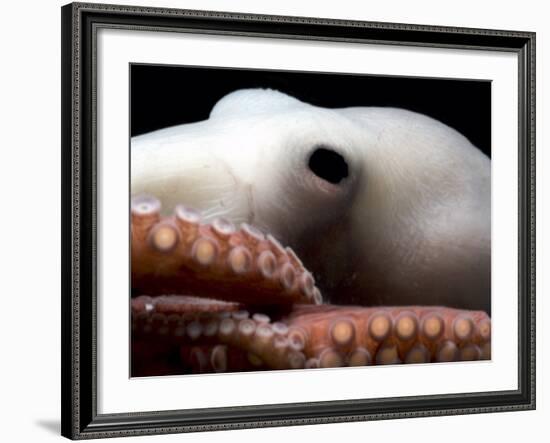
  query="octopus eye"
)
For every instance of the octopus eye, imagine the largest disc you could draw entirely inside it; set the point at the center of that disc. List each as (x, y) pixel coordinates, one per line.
(328, 165)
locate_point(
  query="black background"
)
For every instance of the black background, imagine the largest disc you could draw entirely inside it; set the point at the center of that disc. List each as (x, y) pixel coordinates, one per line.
(164, 96)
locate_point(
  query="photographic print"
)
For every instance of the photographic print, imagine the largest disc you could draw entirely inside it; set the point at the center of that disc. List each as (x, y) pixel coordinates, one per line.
(345, 209)
(303, 220)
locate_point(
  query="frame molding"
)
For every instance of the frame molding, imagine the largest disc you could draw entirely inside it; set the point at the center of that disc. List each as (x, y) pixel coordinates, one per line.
(79, 391)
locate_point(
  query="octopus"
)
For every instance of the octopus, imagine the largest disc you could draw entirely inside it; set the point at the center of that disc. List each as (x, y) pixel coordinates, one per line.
(224, 281)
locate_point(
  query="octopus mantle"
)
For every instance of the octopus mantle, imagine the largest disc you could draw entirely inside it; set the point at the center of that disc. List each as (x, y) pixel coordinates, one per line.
(216, 298)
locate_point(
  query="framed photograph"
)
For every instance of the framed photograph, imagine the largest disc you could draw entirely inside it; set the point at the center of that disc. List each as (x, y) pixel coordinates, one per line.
(273, 221)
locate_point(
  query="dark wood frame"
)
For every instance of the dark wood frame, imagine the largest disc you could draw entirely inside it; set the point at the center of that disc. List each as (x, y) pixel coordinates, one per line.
(79, 391)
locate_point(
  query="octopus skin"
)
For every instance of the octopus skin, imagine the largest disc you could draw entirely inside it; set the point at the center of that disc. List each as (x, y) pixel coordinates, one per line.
(221, 299)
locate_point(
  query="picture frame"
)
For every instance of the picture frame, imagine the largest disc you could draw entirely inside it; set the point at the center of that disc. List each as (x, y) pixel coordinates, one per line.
(82, 315)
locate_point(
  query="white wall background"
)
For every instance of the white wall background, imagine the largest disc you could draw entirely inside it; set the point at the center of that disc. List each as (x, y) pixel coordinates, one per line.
(30, 219)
